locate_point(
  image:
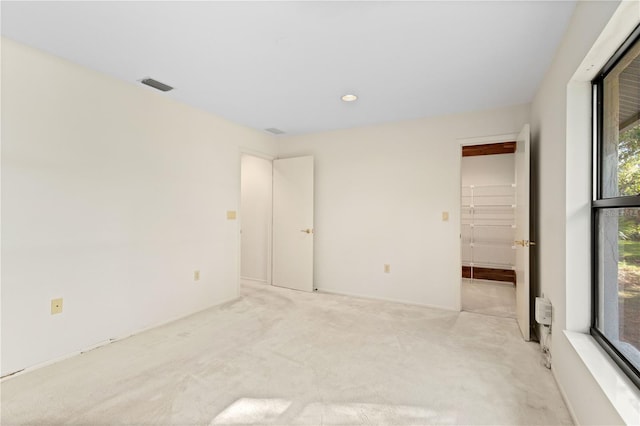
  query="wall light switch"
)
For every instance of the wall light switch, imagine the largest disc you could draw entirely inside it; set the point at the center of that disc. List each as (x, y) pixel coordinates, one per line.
(445, 216)
(56, 306)
(231, 215)
(196, 275)
(387, 268)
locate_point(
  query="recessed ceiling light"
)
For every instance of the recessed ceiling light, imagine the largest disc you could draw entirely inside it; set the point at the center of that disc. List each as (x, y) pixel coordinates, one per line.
(349, 98)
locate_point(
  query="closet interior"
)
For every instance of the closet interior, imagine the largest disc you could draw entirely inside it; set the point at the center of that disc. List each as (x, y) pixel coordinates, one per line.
(488, 204)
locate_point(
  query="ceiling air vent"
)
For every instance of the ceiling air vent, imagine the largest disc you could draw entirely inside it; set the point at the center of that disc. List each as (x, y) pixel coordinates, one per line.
(156, 84)
(274, 131)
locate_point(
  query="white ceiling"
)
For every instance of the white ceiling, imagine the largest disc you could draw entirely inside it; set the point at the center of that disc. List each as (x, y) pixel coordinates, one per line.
(286, 64)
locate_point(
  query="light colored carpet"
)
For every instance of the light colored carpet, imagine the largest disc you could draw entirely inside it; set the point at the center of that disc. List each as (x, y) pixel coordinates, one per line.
(489, 298)
(277, 356)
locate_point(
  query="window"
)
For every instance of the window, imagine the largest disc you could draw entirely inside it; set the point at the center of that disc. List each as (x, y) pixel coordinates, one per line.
(616, 207)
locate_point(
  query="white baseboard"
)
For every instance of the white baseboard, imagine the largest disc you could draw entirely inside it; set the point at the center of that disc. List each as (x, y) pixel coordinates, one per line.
(564, 397)
(258, 280)
(111, 340)
(385, 299)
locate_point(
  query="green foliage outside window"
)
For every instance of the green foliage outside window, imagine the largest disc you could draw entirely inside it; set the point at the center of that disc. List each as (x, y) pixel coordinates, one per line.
(629, 236)
(629, 161)
(629, 180)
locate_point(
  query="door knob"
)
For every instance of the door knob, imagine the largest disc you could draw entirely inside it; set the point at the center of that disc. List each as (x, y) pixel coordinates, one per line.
(307, 231)
(520, 243)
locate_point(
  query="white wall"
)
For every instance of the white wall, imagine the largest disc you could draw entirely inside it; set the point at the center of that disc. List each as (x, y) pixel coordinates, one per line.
(112, 195)
(380, 193)
(256, 213)
(561, 143)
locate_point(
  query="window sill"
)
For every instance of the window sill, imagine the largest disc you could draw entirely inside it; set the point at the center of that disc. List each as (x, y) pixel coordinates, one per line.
(621, 392)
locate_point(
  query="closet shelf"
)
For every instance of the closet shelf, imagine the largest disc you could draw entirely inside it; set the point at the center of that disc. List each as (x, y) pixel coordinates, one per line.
(493, 245)
(488, 265)
(488, 224)
(497, 185)
(475, 225)
(489, 195)
(476, 206)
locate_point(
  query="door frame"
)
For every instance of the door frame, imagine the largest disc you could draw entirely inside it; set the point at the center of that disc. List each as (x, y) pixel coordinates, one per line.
(462, 142)
(269, 158)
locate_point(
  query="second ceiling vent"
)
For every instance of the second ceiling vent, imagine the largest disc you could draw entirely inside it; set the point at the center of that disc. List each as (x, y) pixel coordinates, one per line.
(156, 84)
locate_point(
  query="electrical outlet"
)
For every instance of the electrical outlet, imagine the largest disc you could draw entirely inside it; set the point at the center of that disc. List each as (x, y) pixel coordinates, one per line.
(445, 216)
(196, 275)
(387, 268)
(56, 306)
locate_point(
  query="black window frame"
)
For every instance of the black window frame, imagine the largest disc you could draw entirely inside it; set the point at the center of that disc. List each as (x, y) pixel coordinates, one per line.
(599, 203)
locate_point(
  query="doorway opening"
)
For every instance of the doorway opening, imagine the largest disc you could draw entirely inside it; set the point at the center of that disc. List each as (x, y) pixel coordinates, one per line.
(495, 231)
(256, 208)
(488, 222)
(276, 213)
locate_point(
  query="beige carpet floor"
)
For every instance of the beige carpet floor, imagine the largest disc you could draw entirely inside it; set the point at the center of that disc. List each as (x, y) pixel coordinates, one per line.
(277, 356)
(489, 298)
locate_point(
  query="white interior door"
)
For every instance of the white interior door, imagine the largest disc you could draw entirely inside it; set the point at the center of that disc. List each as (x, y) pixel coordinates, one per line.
(293, 223)
(522, 243)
